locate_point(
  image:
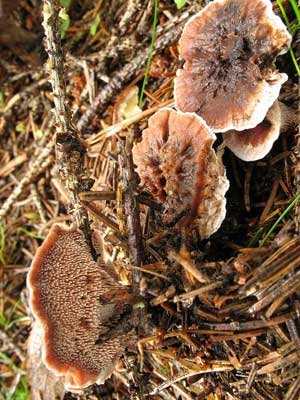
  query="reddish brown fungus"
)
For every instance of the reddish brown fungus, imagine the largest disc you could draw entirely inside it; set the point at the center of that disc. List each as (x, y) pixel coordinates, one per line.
(177, 164)
(254, 144)
(229, 77)
(81, 310)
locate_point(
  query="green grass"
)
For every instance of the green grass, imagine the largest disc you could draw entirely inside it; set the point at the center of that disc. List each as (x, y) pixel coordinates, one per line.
(285, 212)
(180, 3)
(6, 321)
(296, 10)
(150, 55)
(1, 99)
(31, 234)
(2, 245)
(253, 242)
(21, 392)
(8, 361)
(291, 29)
(95, 24)
(65, 3)
(7, 324)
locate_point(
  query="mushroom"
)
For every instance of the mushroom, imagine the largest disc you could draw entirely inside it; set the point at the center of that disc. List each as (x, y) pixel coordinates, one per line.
(81, 309)
(229, 77)
(254, 144)
(177, 164)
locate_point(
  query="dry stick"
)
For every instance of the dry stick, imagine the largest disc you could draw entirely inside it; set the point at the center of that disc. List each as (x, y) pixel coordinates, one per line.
(117, 45)
(293, 390)
(69, 148)
(41, 163)
(124, 75)
(134, 230)
(296, 153)
(38, 203)
(132, 210)
(132, 7)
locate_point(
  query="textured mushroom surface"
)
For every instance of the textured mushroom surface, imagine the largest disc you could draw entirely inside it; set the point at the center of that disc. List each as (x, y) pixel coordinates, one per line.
(228, 76)
(254, 144)
(177, 164)
(81, 310)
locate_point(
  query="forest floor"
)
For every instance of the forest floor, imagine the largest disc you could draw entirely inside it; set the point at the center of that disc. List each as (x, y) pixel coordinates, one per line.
(236, 336)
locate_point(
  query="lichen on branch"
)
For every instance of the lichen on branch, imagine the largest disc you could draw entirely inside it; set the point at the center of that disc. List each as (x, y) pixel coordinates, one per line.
(70, 149)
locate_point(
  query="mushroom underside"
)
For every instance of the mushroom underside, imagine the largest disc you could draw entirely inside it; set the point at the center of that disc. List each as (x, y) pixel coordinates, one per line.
(81, 310)
(254, 144)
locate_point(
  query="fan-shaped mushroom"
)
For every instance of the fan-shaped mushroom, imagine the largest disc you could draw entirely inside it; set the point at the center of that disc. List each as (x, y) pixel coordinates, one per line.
(254, 144)
(81, 310)
(229, 77)
(177, 164)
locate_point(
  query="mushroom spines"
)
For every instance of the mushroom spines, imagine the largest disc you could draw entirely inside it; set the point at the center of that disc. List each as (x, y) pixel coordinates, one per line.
(70, 298)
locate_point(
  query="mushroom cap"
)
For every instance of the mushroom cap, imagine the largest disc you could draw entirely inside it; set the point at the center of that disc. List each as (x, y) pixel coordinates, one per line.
(72, 298)
(175, 161)
(212, 209)
(254, 144)
(229, 77)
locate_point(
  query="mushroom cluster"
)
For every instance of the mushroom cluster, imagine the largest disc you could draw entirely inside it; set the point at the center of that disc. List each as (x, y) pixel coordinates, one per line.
(229, 77)
(82, 310)
(230, 80)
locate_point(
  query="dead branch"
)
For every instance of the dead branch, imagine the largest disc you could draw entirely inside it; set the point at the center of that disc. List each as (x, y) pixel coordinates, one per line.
(69, 148)
(131, 204)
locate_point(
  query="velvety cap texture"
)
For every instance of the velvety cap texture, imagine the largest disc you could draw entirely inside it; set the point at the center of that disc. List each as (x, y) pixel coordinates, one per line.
(229, 77)
(177, 164)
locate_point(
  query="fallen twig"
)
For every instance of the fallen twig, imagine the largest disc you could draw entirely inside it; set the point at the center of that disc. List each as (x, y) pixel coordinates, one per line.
(69, 148)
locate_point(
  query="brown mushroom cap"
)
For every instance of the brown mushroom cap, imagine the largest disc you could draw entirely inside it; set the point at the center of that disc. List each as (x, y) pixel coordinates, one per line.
(177, 164)
(254, 144)
(78, 304)
(229, 77)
